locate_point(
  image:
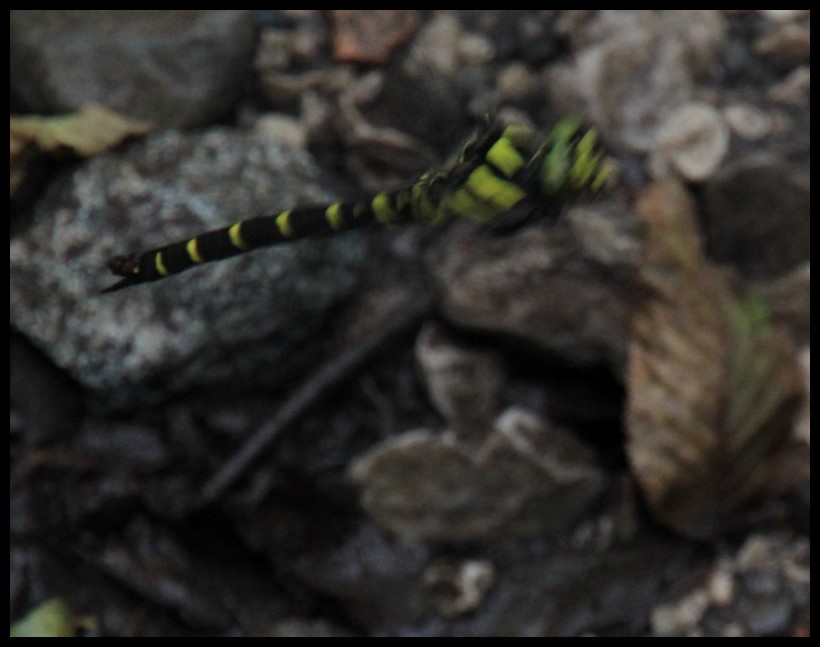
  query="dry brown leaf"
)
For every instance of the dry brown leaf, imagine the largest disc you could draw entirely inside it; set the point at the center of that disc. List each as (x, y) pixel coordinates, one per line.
(92, 130)
(370, 36)
(713, 386)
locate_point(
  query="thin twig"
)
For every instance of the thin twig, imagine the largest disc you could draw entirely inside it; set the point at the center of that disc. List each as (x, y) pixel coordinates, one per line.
(329, 375)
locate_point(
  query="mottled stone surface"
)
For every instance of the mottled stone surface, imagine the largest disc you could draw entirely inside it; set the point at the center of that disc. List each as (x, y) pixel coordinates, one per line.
(174, 68)
(187, 330)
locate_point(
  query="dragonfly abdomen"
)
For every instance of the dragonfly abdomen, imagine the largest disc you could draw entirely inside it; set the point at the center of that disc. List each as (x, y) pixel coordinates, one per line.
(503, 177)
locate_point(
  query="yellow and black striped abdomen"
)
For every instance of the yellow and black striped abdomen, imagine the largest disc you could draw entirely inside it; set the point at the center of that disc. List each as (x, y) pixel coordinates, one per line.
(247, 235)
(505, 176)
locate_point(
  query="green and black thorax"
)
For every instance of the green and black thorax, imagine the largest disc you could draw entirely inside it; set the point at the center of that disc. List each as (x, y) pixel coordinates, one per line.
(504, 176)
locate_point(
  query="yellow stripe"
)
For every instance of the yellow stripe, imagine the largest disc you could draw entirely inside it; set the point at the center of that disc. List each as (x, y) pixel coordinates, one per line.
(585, 163)
(283, 224)
(422, 207)
(565, 129)
(519, 135)
(505, 157)
(193, 251)
(493, 189)
(383, 209)
(235, 234)
(554, 169)
(587, 143)
(163, 271)
(333, 215)
(605, 169)
(463, 204)
(557, 162)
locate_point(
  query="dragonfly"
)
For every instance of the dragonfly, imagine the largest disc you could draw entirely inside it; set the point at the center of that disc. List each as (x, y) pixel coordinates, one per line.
(504, 176)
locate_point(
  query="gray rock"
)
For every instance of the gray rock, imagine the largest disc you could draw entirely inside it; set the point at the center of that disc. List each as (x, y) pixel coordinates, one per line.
(694, 140)
(464, 384)
(174, 68)
(566, 291)
(527, 479)
(238, 319)
(635, 67)
(757, 213)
